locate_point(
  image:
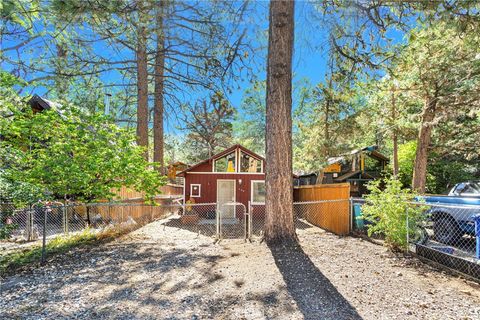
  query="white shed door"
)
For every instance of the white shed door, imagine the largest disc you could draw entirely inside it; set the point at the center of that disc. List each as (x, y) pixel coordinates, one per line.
(225, 194)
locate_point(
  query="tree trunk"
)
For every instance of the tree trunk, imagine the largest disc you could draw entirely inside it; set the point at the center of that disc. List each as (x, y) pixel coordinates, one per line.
(142, 82)
(89, 220)
(395, 154)
(395, 136)
(61, 82)
(158, 108)
(423, 143)
(279, 221)
(326, 132)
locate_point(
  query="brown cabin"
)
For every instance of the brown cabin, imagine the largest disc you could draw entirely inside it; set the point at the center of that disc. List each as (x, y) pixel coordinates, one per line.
(233, 175)
(357, 168)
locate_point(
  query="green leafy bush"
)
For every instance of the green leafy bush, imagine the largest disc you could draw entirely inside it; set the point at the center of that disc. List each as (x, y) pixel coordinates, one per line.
(5, 228)
(387, 208)
(85, 157)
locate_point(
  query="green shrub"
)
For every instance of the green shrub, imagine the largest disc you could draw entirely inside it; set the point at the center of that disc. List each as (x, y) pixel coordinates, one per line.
(387, 208)
(6, 229)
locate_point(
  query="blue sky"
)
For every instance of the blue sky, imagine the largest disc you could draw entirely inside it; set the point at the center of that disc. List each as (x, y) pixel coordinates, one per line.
(310, 53)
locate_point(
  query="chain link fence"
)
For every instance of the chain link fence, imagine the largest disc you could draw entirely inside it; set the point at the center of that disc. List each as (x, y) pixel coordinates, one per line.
(36, 225)
(446, 234)
(30, 224)
(330, 215)
(220, 221)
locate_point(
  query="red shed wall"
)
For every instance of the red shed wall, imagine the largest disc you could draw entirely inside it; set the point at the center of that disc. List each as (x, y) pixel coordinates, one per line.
(208, 182)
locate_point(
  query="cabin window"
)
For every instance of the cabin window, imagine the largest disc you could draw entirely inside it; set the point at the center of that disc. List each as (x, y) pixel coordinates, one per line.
(249, 163)
(258, 191)
(195, 190)
(225, 163)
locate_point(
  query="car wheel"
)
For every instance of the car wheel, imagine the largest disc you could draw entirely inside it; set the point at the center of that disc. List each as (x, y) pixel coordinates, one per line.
(446, 230)
(420, 236)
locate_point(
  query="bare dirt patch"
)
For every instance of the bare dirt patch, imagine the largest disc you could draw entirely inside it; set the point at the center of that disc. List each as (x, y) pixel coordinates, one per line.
(171, 273)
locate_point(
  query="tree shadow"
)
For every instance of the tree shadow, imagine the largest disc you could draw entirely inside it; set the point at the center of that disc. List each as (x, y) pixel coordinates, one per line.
(302, 224)
(315, 295)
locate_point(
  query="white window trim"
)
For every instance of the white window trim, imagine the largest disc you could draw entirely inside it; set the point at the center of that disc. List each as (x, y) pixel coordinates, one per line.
(199, 190)
(237, 160)
(234, 194)
(215, 160)
(252, 156)
(238, 155)
(251, 191)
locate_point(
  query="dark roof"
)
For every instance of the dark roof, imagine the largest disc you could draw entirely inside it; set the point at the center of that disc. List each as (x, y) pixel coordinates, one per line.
(378, 155)
(41, 104)
(351, 174)
(178, 163)
(306, 175)
(370, 151)
(219, 155)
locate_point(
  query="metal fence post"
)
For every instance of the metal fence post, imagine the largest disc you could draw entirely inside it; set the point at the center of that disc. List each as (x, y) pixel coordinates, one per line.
(250, 220)
(476, 220)
(408, 234)
(29, 227)
(218, 217)
(352, 214)
(247, 222)
(44, 236)
(65, 219)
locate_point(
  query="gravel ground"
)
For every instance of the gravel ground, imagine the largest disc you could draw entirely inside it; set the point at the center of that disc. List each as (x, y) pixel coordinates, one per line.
(171, 273)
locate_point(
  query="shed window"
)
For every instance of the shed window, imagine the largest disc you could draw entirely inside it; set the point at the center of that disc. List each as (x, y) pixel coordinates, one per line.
(195, 190)
(258, 191)
(225, 163)
(249, 163)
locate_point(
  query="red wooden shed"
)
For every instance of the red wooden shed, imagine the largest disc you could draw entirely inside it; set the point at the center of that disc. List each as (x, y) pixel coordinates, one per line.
(233, 175)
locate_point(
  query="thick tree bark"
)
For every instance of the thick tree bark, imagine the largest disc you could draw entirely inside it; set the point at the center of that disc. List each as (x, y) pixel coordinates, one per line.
(142, 82)
(279, 224)
(158, 108)
(326, 142)
(395, 136)
(326, 132)
(423, 143)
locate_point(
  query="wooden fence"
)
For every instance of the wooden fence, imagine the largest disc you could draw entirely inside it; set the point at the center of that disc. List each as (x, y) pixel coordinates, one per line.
(138, 211)
(333, 216)
(130, 195)
(136, 207)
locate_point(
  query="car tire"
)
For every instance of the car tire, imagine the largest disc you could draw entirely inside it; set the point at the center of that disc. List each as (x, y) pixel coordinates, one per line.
(420, 236)
(446, 230)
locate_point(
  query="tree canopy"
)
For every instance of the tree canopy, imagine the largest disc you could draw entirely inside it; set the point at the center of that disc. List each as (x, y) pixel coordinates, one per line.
(68, 153)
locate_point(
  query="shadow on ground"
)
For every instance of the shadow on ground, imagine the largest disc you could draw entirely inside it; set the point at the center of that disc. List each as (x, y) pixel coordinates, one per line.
(313, 293)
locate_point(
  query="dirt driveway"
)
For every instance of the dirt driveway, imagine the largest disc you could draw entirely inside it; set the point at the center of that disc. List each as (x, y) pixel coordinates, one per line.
(170, 273)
